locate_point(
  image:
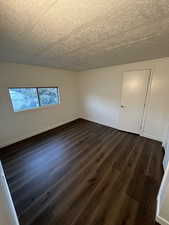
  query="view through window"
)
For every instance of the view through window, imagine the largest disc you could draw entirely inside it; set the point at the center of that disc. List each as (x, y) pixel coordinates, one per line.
(29, 98)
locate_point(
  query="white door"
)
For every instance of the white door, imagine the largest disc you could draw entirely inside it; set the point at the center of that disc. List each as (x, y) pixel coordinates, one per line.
(134, 92)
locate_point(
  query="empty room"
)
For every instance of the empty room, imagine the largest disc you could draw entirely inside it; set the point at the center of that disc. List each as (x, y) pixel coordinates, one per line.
(84, 112)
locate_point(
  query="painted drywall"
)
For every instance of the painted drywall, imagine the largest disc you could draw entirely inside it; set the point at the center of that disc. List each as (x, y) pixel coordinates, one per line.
(165, 206)
(166, 147)
(97, 91)
(163, 197)
(100, 95)
(162, 215)
(15, 126)
(7, 211)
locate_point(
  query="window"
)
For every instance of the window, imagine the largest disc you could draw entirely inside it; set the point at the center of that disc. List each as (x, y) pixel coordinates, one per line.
(48, 96)
(24, 98)
(29, 98)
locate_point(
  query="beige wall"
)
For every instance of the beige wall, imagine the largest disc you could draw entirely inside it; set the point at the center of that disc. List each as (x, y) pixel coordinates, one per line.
(15, 126)
(100, 92)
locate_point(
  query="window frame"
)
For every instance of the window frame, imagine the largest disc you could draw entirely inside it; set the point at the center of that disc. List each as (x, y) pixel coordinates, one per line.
(40, 106)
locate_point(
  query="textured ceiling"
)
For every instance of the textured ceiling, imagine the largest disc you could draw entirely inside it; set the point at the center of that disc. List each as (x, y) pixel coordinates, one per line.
(83, 34)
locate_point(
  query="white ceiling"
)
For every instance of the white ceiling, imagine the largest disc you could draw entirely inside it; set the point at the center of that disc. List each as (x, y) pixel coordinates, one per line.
(83, 34)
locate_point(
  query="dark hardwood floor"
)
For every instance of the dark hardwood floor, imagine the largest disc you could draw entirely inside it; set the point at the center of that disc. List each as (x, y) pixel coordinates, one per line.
(84, 173)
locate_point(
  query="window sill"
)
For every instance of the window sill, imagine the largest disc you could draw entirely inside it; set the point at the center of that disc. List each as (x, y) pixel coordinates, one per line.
(38, 108)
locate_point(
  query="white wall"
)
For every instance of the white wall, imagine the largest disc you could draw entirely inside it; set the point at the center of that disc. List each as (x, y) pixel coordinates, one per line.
(15, 126)
(166, 147)
(164, 209)
(162, 215)
(100, 92)
(99, 98)
(7, 211)
(95, 94)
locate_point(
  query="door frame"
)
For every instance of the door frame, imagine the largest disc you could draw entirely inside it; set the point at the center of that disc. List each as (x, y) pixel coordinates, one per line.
(147, 99)
(147, 103)
(8, 208)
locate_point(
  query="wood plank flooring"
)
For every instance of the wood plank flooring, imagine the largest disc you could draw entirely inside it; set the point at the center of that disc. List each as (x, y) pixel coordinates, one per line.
(84, 173)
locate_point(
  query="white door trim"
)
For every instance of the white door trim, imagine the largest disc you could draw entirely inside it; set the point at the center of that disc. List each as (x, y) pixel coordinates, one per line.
(161, 220)
(147, 103)
(8, 216)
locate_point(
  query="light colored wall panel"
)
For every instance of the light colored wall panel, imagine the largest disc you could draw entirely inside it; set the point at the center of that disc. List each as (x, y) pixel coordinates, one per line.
(15, 126)
(7, 211)
(100, 95)
(162, 215)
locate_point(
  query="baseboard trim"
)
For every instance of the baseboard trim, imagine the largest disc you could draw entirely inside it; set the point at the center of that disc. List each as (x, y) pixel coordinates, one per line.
(16, 140)
(50, 129)
(143, 134)
(151, 137)
(97, 122)
(161, 220)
